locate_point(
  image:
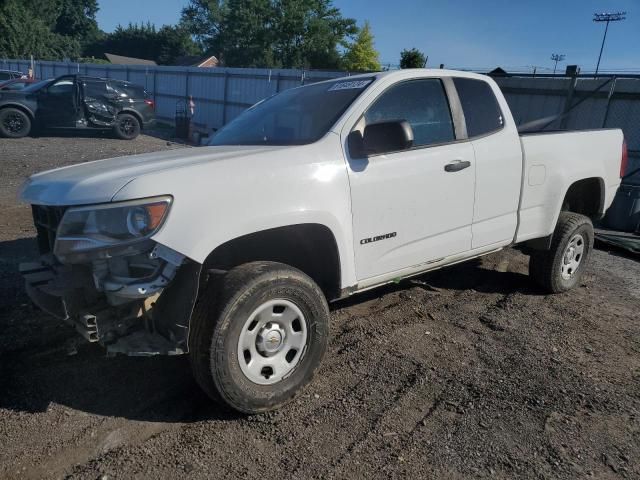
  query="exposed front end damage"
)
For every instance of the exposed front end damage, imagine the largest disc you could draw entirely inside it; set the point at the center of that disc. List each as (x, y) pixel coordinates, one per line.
(131, 301)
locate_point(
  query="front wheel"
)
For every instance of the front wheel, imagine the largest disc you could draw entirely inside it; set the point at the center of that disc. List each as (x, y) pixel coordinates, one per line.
(258, 335)
(561, 267)
(127, 126)
(14, 123)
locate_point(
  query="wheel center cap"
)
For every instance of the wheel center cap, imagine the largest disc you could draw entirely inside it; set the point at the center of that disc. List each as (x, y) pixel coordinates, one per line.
(270, 339)
(570, 255)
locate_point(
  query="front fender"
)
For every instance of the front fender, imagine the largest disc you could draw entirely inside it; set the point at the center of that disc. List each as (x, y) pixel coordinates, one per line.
(20, 106)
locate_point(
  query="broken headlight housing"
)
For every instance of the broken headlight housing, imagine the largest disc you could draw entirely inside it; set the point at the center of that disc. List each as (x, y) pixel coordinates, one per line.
(103, 231)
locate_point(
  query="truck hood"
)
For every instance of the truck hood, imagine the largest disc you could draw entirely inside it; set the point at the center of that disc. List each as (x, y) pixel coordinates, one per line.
(99, 181)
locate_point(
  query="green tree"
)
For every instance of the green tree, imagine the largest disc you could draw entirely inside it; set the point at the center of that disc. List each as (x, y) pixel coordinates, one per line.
(77, 19)
(245, 37)
(361, 55)
(202, 18)
(28, 29)
(269, 33)
(307, 33)
(145, 41)
(413, 58)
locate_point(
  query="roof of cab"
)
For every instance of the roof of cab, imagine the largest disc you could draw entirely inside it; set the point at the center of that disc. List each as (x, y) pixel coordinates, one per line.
(419, 72)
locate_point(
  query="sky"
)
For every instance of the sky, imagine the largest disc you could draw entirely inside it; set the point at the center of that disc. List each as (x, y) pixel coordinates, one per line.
(514, 34)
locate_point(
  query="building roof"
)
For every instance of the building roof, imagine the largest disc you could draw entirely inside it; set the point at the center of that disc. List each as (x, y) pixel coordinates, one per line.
(499, 72)
(120, 60)
(196, 61)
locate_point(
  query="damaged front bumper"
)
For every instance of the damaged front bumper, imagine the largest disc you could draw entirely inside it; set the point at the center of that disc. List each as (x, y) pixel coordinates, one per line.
(135, 304)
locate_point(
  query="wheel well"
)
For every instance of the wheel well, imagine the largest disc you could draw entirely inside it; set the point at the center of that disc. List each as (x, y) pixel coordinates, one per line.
(19, 107)
(310, 248)
(585, 197)
(135, 114)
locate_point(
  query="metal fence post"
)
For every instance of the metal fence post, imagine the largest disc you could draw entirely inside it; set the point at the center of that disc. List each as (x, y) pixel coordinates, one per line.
(186, 85)
(611, 93)
(224, 97)
(155, 72)
(569, 100)
(278, 82)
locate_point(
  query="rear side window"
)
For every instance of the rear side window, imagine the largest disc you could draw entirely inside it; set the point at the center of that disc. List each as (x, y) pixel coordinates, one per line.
(481, 109)
(64, 86)
(93, 88)
(422, 103)
(130, 90)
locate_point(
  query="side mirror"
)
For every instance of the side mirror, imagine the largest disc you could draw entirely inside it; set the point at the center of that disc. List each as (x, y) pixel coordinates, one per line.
(386, 137)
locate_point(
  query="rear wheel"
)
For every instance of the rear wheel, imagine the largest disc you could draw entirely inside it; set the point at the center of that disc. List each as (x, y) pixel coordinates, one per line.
(258, 336)
(127, 126)
(561, 267)
(14, 123)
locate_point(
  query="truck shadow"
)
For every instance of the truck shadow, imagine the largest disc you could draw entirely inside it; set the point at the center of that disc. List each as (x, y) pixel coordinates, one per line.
(43, 363)
(471, 275)
(81, 378)
(475, 275)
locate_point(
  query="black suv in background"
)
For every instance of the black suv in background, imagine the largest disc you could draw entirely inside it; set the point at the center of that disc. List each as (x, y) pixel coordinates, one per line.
(77, 102)
(10, 75)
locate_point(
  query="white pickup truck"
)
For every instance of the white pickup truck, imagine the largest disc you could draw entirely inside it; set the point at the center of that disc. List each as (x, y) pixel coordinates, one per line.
(231, 252)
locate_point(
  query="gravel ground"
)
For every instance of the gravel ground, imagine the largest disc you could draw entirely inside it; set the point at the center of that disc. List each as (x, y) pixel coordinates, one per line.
(465, 372)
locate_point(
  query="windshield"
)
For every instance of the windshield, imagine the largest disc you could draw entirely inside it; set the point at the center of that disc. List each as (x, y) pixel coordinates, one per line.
(294, 117)
(35, 86)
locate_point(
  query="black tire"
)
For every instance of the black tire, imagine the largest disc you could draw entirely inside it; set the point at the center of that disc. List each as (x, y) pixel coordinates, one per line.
(220, 316)
(127, 126)
(546, 267)
(14, 123)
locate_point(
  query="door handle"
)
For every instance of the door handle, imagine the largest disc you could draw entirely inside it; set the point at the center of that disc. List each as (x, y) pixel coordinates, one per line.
(456, 166)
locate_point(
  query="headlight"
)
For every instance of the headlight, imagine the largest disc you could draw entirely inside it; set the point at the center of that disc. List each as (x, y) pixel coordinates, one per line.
(122, 226)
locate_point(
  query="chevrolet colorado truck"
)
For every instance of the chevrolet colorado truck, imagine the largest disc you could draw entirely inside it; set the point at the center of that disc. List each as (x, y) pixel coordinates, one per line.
(231, 252)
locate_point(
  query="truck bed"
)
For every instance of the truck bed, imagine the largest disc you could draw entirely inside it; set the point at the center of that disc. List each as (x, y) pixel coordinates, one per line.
(552, 162)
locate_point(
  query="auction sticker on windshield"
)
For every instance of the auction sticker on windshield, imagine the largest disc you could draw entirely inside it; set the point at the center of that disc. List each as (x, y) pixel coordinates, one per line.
(350, 85)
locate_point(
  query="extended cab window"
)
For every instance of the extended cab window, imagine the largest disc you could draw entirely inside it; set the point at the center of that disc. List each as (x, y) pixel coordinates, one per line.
(422, 103)
(480, 107)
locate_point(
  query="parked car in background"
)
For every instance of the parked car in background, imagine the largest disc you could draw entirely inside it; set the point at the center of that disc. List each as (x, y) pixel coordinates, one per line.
(16, 83)
(10, 74)
(76, 102)
(231, 252)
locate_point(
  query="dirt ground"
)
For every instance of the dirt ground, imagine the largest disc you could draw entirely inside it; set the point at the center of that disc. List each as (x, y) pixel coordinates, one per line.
(465, 372)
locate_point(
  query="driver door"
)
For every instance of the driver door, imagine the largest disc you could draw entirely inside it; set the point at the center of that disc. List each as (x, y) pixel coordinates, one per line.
(414, 206)
(58, 103)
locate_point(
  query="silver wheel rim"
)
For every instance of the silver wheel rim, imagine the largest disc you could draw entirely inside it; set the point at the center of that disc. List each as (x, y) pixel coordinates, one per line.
(572, 257)
(272, 342)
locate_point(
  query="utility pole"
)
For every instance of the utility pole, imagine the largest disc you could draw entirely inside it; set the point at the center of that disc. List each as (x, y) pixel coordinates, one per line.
(607, 18)
(557, 57)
